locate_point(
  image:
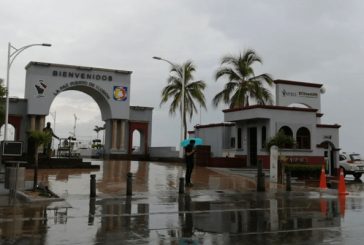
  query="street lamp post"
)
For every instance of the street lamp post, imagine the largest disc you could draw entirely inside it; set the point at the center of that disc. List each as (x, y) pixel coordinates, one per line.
(183, 101)
(12, 54)
(54, 116)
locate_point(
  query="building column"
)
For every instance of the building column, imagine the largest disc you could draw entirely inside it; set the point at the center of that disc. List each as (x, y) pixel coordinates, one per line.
(122, 135)
(41, 123)
(113, 134)
(32, 122)
(117, 134)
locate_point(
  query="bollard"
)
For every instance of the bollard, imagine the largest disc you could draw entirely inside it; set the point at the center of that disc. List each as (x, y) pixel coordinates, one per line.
(93, 185)
(288, 181)
(181, 185)
(129, 184)
(91, 212)
(261, 182)
(260, 167)
(260, 177)
(128, 218)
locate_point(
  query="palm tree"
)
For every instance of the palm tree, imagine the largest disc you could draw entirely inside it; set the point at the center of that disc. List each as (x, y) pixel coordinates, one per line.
(182, 75)
(38, 138)
(242, 82)
(97, 129)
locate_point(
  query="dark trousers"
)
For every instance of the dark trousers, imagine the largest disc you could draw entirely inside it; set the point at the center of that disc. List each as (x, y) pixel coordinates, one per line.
(189, 168)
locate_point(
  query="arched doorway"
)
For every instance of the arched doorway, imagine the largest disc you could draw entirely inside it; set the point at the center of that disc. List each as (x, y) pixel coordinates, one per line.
(137, 142)
(330, 156)
(141, 128)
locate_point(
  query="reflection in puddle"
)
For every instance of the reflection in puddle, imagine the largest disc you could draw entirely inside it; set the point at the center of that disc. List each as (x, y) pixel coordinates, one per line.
(221, 221)
(221, 213)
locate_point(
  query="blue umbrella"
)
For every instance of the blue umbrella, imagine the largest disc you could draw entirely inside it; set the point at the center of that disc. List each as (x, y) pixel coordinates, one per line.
(198, 141)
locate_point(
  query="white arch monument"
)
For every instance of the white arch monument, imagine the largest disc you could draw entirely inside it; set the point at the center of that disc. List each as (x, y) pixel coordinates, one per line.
(108, 87)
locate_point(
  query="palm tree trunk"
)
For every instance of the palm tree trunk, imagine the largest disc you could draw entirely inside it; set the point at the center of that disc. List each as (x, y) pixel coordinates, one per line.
(35, 178)
(184, 125)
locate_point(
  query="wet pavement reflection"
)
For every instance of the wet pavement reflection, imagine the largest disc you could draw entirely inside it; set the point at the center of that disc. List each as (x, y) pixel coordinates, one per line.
(220, 209)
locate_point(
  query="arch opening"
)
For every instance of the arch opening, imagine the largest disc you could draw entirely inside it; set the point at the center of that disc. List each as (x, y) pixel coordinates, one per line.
(11, 133)
(137, 142)
(97, 97)
(77, 114)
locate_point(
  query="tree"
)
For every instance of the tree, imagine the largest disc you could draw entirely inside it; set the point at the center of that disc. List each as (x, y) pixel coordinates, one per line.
(281, 140)
(183, 75)
(242, 82)
(2, 104)
(97, 129)
(38, 138)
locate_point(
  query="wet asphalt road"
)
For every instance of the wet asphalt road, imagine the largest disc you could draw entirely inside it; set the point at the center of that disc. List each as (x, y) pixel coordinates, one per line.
(221, 208)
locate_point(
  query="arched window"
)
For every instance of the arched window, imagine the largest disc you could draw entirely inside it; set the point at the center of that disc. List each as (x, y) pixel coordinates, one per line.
(264, 136)
(303, 138)
(288, 132)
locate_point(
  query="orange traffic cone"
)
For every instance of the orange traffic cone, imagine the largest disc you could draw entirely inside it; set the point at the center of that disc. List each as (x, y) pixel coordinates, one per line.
(342, 186)
(323, 184)
(323, 207)
(342, 205)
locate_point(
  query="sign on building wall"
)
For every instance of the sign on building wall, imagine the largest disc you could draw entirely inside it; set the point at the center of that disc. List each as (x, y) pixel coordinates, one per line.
(288, 93)
(109, 88)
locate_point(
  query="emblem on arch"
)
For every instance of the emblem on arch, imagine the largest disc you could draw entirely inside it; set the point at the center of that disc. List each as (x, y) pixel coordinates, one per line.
(120, 93)
(40, 87)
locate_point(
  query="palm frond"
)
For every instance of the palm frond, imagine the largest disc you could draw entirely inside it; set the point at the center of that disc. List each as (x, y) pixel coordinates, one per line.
(265, 77)
(250, 57)
(241, 80)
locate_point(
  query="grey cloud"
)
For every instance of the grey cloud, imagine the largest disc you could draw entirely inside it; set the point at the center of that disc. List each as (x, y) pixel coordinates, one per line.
(308, 40)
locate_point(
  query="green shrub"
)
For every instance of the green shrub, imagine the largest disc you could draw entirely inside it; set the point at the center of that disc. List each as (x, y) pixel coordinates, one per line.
(307, 171)
(281, 140)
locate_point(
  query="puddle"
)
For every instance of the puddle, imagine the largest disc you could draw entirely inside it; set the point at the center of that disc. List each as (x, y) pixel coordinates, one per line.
(219, 210)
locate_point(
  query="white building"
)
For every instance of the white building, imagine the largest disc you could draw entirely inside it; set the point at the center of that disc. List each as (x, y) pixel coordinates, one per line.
(240, 140)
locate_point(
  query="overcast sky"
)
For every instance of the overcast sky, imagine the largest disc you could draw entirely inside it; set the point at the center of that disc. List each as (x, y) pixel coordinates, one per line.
(303, 40)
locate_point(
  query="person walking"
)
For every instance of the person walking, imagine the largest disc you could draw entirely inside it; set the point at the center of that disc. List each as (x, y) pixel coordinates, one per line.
(189, 154)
